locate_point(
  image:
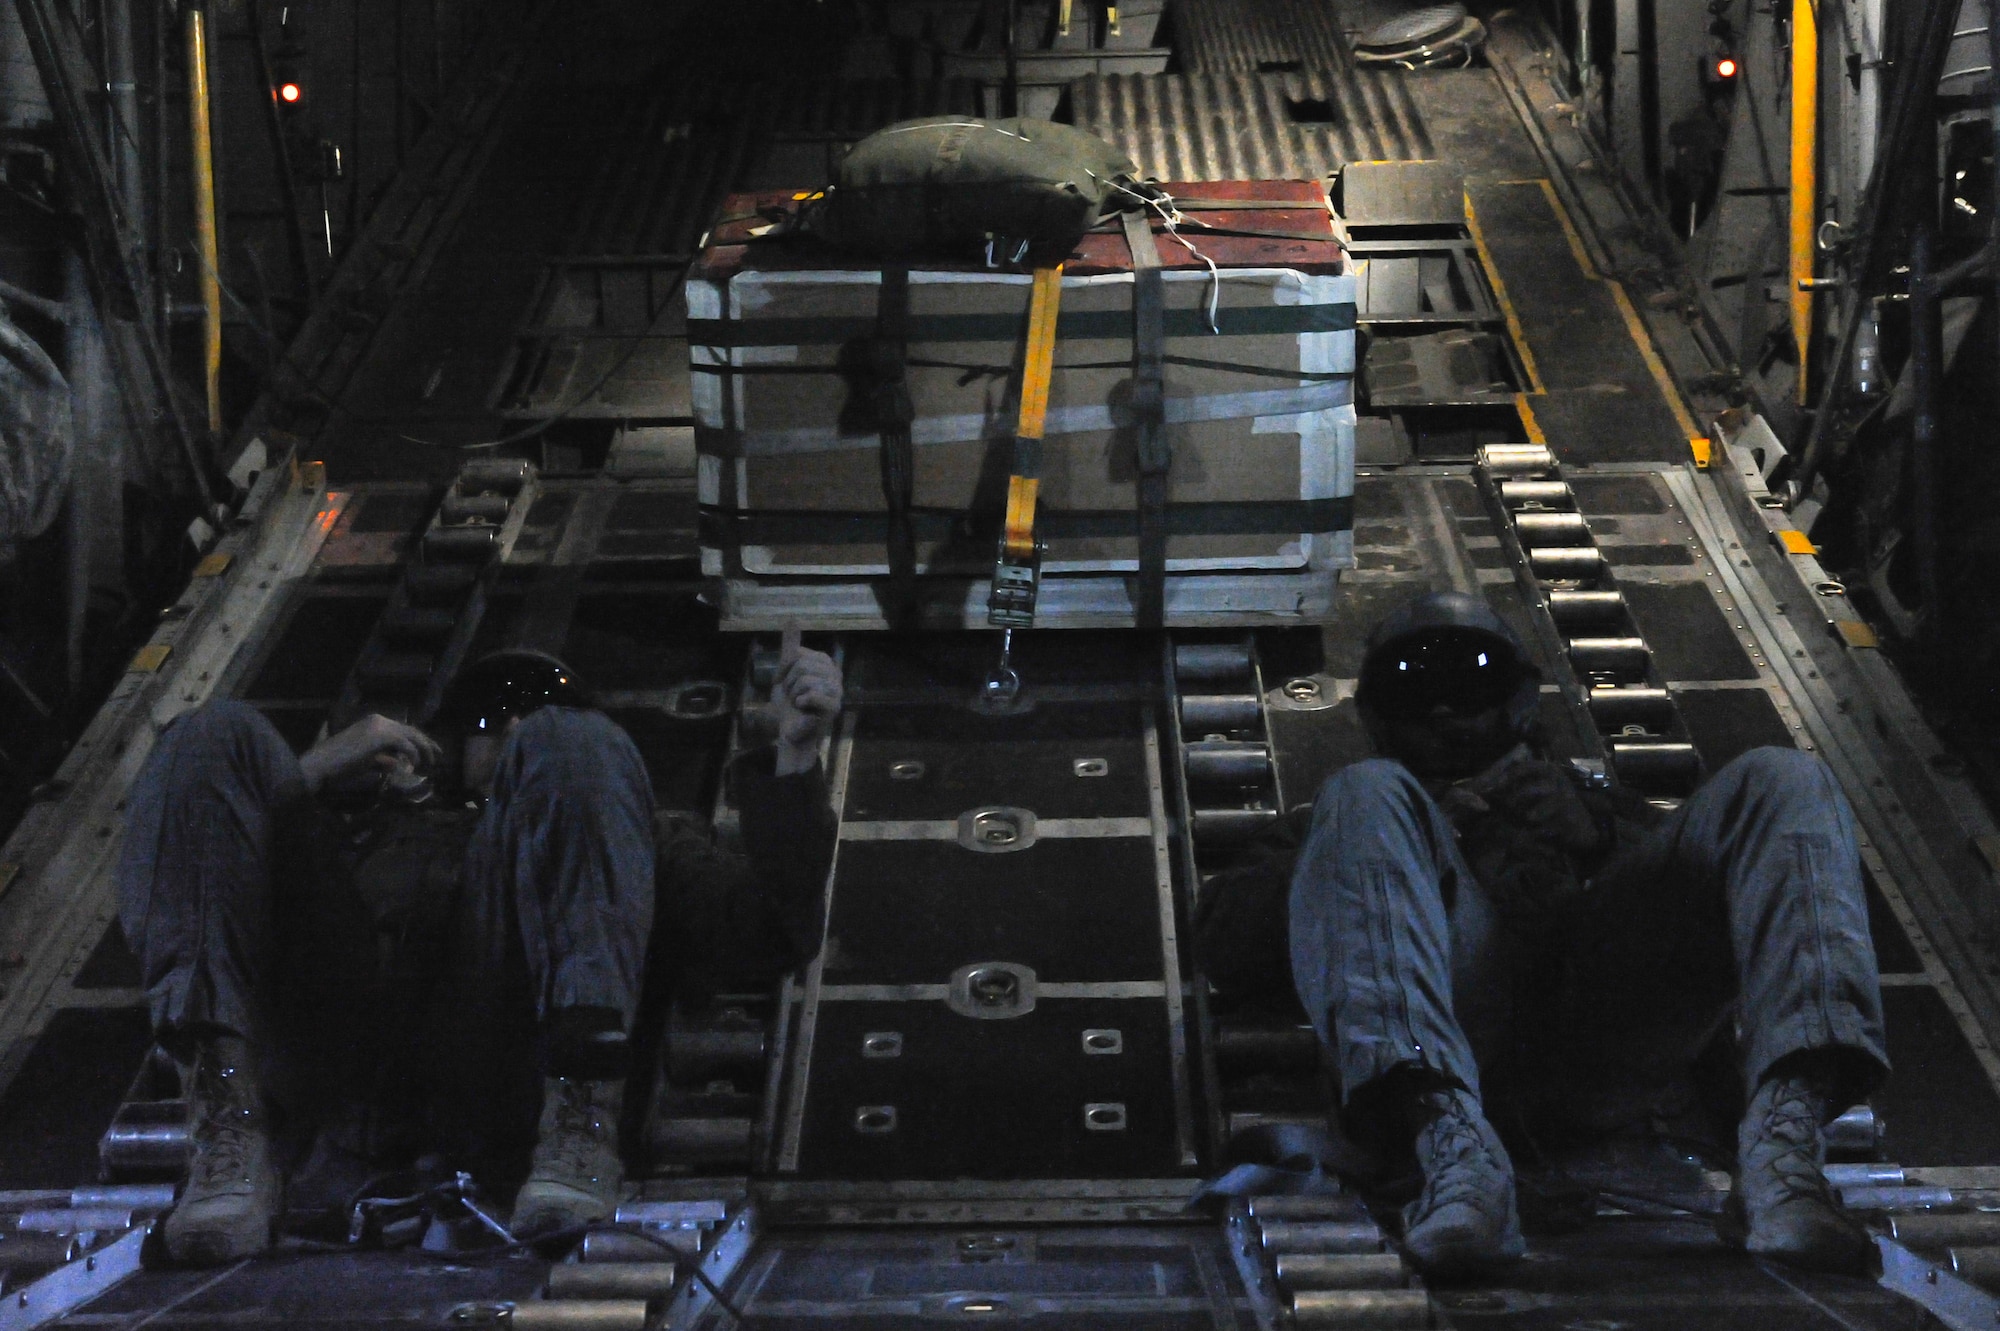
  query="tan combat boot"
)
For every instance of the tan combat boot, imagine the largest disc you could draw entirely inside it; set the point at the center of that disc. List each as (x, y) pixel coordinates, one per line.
(1781, 1205)
(576, 1174)
(231, 1200)
(1466, 1221)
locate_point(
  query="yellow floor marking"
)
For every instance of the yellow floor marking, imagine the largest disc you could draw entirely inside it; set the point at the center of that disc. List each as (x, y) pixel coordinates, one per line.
(1528, 421)
(1570, 232)
(1856, 633)
(1668, 388)
(1506, 305)
(1633, 325)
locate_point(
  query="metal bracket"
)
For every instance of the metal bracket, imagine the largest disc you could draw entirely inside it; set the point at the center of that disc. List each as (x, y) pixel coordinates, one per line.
(996, 830)
(992, 990)
(69, 1287)
(1959, 1304)
(733, 1242)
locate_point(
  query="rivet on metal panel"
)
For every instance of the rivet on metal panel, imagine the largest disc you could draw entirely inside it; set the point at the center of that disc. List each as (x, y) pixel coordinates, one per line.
(151, 657)
(1090, 767)
(882, 1044)
(909, 769)
(1103, 1042)
(1108, 1117)
(875, 1120)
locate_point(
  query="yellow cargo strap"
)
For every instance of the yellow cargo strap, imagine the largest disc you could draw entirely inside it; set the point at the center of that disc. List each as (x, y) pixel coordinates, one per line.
(1014, 574)
(1036, 369)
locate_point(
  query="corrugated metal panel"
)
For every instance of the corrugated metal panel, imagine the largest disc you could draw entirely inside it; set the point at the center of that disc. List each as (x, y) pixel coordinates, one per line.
(1213, 36)
(1236, 125)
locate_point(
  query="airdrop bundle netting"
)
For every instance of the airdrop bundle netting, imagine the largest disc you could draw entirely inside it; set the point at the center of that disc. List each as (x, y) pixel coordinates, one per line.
(955, 184)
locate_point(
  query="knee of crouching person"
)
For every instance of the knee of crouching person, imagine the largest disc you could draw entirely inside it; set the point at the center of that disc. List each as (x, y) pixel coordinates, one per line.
(1370, 781)
(1772, 769)
(221, 723)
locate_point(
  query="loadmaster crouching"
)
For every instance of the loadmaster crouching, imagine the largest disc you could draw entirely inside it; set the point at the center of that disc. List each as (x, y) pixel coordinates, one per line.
(256, 886)
(1476, 934)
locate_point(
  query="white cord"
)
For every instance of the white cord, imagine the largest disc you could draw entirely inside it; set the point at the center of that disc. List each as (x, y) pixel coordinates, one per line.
(1172, 216)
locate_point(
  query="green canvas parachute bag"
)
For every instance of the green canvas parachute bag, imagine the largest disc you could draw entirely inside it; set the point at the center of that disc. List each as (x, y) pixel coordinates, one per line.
(949, 185)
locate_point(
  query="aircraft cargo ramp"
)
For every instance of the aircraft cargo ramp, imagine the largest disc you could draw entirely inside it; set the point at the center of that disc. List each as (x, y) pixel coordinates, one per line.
(1534, 429)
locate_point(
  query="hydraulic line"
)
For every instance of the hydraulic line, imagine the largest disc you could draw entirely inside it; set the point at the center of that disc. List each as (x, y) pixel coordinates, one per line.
(1925, 371)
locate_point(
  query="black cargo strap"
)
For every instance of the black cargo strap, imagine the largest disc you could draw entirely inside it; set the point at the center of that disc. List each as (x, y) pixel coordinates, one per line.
(723, 528)
(1149, 411)
(1286, 1160)
(888, 361)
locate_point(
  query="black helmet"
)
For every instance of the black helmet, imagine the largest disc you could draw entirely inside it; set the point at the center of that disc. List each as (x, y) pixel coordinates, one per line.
(514, 682)
(1451, 650)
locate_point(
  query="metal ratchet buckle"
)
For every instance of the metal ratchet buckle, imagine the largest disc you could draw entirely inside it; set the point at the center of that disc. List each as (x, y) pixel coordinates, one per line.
(1016, 580)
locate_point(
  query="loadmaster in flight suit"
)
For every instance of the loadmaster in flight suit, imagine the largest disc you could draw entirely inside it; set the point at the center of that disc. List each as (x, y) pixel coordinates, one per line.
(254, 897)
(1473, 928)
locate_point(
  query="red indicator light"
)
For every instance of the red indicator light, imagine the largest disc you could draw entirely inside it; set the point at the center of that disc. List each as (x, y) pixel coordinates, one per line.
(1725, 68)
(289, 92)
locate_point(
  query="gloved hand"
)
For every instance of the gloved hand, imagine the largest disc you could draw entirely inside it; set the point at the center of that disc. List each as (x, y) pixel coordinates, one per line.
(805, 698)
(1529, 837)
(1544, 798)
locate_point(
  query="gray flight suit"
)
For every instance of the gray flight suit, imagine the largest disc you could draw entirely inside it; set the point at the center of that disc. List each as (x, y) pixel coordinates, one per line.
(1747, 900)
(238, 896)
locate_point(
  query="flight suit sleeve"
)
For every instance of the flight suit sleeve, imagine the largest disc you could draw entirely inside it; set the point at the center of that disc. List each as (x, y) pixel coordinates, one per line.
(731, 921)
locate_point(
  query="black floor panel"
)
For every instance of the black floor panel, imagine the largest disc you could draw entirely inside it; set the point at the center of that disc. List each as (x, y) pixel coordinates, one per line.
(649, 640)
(1076, 909)
(1670, 1275)
(938, 762)
(1726, 723)
(1616, 494)
(1657, 555)
(111, 964)
(62, 1099)
(323, 1290)
(1938, 1106)
(317, 647)
(1159, 1279)
(1003, 1099)
(1893, 952)
(1686, 632)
